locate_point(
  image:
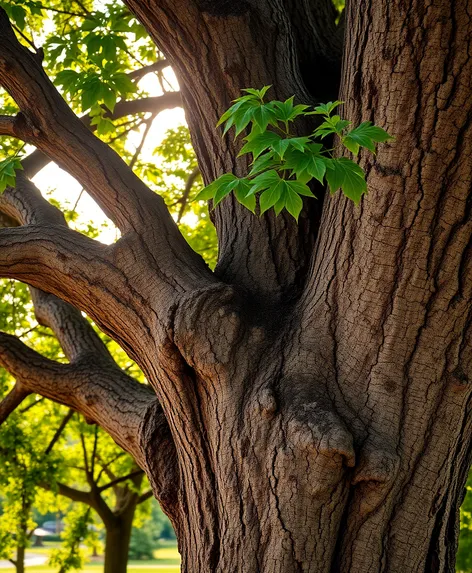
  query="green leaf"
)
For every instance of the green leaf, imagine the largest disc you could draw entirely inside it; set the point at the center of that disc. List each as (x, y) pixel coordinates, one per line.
(299, 143)
(270, 197)
(68, 79)
(264, 115)
(105, 126)
(264, 181)
(93, 42)
(332, 125)
(18, 15)
(89, 24)
(309, 162)
(121, 82)
(326, 108)
(262, 163)
(293, 204)
(241, 193)
(256, 145)
(109, 48)
(210, 191)
(243, 118)
(299, 188)
(257, 93)
(109, 97)
(225, 189)
(8, 169)
(345, 174)
(286, 111)
(91, 92)
(365, 135)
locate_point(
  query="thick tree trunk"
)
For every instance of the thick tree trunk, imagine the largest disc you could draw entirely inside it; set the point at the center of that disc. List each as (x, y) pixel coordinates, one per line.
(316, 389)
(339, 438)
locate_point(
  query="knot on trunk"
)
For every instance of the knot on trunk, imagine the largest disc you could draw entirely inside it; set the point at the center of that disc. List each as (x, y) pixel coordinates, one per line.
(374, 476)
(315, 428)
(207, 324)
(312, 423)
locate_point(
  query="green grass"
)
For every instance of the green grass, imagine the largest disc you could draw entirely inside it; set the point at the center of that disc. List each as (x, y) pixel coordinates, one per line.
(167, 560)
(98, 568)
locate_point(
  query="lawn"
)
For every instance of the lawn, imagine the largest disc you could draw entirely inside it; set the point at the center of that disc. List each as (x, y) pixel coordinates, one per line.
(145, 568)
(167, 560)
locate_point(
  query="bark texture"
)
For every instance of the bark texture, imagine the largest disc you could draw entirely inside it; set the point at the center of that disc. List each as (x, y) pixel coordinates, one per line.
(312, 397)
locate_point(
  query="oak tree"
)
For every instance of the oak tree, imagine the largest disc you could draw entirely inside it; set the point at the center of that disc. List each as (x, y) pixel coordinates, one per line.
(308, 406)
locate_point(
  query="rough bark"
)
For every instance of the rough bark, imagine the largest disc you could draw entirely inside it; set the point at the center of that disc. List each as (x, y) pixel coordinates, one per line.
(316, 388)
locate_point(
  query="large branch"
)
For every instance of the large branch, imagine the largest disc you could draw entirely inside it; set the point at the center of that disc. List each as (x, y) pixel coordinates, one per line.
(37, 160)
(98, 390)
(51, 126)
(219, 54)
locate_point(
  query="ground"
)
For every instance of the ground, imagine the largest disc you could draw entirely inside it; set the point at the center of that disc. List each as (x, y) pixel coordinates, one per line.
(167, 561)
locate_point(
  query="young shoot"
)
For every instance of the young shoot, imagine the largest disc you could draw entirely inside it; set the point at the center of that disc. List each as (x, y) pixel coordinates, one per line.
(283, 165)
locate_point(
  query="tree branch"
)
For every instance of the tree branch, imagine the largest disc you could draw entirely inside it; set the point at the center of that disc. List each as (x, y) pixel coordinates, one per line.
(98, 390)
(72, 493)
(7, 125)
(188, 188)
(158, 66)
(155, 105)
(120, 480)
(52, 258)
(144, 497)
(58, 432)
(12, 401)
(62, 136)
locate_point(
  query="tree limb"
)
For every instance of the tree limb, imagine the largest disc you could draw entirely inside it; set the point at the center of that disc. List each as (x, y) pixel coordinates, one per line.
(72, 493)
(34, 162)
(120, 480)
(12, 401)
(7, 125)
(145, 496)
(62, 136)
(97, 390)
(58, 432)
(188, 188)
(158, 66)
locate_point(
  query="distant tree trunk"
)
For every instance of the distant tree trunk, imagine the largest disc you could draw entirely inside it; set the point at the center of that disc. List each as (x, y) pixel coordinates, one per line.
(20, 559)
(118, 535)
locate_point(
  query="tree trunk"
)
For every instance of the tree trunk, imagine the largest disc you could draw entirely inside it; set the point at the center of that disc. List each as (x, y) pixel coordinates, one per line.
(336, 437)
(314, 393)
(118, 535)
(20, 559)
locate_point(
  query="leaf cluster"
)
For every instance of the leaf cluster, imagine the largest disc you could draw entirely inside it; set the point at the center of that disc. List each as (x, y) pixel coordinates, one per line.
(283, 165)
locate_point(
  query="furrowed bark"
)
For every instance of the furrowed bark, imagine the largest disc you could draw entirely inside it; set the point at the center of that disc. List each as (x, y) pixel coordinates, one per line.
(93, 276)
(330, 435)
(97, 390)
(214, 44)
(92, 384)
(387, 313)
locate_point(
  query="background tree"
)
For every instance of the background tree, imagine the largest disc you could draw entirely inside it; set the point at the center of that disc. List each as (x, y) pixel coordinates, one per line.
(311, 394)
(114, 488)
